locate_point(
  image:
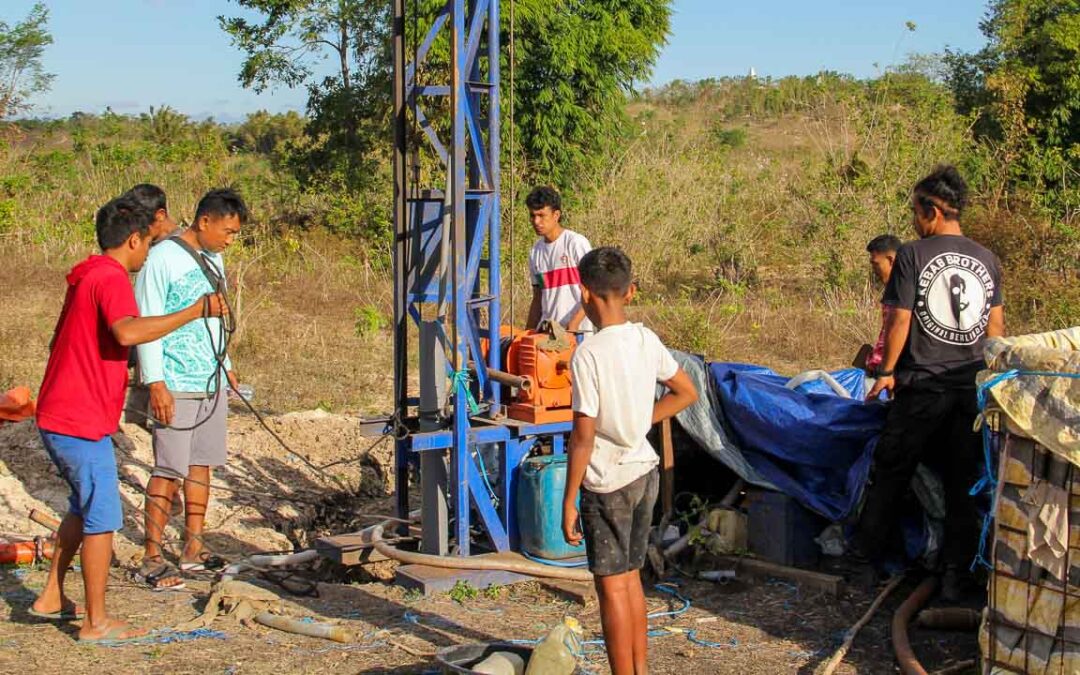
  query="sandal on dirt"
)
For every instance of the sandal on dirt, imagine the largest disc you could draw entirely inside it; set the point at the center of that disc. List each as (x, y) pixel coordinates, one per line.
(112, 637)
(62, 615)
(207, 562)
(154, 571)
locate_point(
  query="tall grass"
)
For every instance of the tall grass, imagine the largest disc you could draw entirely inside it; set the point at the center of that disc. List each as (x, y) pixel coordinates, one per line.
(745, 206)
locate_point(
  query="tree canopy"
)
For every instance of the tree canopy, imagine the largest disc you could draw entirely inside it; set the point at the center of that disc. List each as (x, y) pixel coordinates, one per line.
(22, 75)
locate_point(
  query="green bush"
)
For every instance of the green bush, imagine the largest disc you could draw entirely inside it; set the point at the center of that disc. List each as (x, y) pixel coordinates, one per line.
(729, 139)
(8, 213)
(369, 320)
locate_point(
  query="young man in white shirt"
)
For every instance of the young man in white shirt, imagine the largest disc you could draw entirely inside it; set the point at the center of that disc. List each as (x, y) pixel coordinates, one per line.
(615, 372)
(553, 264)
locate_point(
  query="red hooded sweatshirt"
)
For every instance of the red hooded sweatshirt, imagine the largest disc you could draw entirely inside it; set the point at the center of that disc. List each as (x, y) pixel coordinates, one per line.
(86, 379)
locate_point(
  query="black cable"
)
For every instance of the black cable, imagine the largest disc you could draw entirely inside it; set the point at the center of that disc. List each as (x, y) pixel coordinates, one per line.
(227, 325)
(216, 279)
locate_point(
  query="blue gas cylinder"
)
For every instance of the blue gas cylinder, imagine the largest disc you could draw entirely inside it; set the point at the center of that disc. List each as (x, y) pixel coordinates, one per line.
(540, 486)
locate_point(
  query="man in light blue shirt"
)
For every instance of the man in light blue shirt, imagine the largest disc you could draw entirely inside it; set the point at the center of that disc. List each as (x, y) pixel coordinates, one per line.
(187, 373)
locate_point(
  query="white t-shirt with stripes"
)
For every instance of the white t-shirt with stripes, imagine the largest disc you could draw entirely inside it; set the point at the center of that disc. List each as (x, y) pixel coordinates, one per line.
(554, 270)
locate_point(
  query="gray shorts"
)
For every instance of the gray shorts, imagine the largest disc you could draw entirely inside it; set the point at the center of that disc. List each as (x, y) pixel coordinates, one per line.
(175, 450)
(616, 525)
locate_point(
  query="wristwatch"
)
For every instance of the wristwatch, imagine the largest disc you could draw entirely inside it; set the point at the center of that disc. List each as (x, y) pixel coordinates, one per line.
(881, 372)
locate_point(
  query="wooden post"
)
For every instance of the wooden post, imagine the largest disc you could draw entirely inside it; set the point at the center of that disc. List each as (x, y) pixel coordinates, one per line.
(667, 472)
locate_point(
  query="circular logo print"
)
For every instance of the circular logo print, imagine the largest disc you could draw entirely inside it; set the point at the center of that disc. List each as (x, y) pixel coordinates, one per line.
(954, 298)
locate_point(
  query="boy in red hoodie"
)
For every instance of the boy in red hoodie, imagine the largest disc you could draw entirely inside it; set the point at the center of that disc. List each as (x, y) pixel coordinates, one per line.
(80, 403)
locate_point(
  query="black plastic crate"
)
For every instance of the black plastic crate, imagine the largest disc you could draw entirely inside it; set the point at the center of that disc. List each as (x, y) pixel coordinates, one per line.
(780, 530)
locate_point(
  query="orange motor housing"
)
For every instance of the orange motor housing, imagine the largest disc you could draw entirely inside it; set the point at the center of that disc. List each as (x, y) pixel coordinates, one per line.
(543, 358)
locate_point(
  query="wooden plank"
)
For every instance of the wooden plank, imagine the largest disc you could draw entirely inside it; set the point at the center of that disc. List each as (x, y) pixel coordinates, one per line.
(430, 580)
(827, 583)
(349, 549)
(667, 469)
(576, 591)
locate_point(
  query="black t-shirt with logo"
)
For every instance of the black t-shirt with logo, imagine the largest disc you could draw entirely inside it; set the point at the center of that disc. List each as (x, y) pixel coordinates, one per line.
(949, 283)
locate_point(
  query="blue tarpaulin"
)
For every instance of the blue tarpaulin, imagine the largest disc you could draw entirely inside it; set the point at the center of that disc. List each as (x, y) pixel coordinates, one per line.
(810, 442)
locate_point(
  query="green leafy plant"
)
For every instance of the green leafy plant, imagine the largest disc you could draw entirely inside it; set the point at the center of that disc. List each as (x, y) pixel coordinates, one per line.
(463, 591)
(369, 320)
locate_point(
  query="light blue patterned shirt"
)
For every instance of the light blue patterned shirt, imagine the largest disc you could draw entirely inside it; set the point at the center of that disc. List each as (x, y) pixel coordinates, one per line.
(184, 359)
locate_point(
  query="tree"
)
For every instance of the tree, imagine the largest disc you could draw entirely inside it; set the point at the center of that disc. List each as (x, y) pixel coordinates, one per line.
(285, 49)
(1025, 87)
(264, 132)
(576, 64)
(1035, 52)
(21, 73)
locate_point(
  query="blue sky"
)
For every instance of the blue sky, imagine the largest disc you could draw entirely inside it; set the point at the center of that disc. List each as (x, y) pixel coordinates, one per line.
(131, 54)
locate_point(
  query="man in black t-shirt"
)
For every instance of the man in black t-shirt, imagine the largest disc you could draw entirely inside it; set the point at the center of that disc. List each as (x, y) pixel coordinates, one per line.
(945, 291)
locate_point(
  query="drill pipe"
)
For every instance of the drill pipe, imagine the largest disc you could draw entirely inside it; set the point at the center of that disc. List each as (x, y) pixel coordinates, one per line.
(509, 379)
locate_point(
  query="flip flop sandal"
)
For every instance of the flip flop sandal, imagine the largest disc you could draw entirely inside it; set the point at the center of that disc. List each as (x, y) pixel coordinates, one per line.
(155, 575)
(62, 615)
(112, 638)
(207, 562)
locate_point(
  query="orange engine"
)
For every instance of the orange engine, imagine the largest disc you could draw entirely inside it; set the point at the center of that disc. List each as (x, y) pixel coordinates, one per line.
(542, 357)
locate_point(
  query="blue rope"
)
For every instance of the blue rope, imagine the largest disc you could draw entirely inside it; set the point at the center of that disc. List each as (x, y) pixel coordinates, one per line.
(591, 646)
(484, 476)
(167, 636)
(462, 380)
(671, 590)
(692, 637)
(991, 448)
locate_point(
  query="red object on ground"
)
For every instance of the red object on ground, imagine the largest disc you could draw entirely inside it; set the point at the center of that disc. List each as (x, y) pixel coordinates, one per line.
(16, 405)
(25, 552)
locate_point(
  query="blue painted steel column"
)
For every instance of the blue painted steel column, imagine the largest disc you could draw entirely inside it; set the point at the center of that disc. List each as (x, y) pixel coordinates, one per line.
(495, 222)
(460, 456)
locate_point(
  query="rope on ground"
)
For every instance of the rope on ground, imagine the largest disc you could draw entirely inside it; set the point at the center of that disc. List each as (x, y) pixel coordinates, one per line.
(591, 646)
(165, 637)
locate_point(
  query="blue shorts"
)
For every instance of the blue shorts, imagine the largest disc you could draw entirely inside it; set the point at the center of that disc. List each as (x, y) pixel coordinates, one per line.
(89, 467)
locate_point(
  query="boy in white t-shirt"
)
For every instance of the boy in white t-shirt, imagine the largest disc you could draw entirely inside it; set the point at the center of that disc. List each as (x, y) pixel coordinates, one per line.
(553, 264)
(615, 372)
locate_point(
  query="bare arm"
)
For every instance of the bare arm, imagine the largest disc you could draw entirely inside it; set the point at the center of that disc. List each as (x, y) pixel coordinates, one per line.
(137, 330)
(897, 329)
(534, 310)
(575, 321)
(996, 327)
(582, 438)
(681, 395)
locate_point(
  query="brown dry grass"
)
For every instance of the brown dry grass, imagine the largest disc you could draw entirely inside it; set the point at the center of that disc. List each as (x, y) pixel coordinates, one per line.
(297, 341)
(748, 253)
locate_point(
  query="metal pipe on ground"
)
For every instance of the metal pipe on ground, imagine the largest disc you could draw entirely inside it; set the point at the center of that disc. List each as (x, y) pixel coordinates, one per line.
(291, 625)
(905, 656)
(473, 563)
(259, 562)
(949, 618)
(44, 519)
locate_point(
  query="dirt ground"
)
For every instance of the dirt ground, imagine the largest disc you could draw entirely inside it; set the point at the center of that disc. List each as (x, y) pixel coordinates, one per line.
(272, 501)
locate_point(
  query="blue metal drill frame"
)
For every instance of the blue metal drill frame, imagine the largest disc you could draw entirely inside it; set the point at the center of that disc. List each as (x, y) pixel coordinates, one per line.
(447, 234)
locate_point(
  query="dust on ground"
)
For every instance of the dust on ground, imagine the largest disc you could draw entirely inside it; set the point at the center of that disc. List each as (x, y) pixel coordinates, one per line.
(277, 502)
